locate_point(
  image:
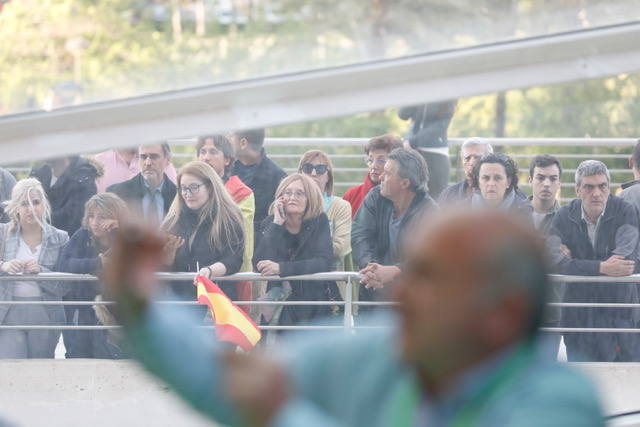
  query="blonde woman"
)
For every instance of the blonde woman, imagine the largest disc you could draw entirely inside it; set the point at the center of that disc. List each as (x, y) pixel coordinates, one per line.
(30, 245)
(295, 239)
(205, 229)
(87, 253)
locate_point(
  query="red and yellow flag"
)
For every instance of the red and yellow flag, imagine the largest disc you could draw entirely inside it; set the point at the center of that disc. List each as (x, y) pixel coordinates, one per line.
(232, 323)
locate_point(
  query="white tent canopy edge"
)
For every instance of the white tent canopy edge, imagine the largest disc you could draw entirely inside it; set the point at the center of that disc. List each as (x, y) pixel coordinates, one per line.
(304, 96)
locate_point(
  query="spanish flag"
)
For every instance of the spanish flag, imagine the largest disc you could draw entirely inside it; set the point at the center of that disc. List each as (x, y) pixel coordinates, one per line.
(232, 324)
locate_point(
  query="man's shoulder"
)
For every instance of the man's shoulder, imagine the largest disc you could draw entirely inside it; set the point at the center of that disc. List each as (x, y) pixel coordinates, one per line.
(550, 389)
(272, 168)
(452, 192)
(125, 188)
(571, 208)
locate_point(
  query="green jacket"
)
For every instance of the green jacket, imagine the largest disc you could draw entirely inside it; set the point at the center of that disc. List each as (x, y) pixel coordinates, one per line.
(359, 380)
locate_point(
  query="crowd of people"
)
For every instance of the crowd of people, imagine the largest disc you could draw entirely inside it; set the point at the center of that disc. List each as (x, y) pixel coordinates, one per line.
(232, 209)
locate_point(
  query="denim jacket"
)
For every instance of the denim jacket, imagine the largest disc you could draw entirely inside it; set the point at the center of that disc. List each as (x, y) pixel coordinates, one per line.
(53, 240)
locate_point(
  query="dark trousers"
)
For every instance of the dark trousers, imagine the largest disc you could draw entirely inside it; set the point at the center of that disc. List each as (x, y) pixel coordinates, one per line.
(439, 168)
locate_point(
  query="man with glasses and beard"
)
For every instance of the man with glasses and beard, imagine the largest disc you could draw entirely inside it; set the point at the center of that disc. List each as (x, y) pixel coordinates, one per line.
(150, 192)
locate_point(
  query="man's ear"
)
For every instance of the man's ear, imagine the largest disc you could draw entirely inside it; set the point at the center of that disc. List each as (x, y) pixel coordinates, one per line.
(244, 144)
(405, 183)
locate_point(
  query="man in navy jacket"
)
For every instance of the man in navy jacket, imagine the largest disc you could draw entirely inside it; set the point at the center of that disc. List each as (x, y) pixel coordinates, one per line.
(597, 234)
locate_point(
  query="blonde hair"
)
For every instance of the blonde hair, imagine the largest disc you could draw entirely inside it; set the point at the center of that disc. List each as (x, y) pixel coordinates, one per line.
(112, 207)
(224, 214)
(22, 191)
(310, 156)
(315, 204)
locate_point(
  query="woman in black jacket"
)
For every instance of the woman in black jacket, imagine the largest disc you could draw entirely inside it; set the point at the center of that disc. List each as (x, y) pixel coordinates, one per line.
(495, 181)
(294, 240)
(205, 229)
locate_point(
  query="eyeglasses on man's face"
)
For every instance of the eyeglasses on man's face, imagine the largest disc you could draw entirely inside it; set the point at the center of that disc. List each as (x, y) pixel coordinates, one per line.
(308, 168)
(153, 157)
(191, 188)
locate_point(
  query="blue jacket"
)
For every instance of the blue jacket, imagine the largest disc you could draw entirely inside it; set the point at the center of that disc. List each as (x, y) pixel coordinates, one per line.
(356, 380)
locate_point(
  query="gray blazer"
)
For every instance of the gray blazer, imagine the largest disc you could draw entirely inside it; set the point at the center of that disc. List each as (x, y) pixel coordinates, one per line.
(52, 243)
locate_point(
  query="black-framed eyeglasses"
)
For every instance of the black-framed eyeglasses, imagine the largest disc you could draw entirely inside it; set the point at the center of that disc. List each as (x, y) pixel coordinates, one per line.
(191, 188)
(320, 169)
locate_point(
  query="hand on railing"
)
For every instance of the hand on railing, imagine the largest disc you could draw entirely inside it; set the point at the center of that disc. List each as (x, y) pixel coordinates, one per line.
(16, 266)
(376, 276)
(268, 268)
(617, 266)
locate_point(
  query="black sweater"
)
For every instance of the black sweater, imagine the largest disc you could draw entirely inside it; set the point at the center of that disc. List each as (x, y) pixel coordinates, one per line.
(309, 251)
(202, 253)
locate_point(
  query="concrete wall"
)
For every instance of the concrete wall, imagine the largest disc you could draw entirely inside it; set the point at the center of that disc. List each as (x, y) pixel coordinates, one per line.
(88, 393)
(118, 393)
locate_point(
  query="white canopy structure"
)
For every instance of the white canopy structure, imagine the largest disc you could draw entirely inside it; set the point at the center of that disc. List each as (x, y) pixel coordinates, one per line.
(303, 96)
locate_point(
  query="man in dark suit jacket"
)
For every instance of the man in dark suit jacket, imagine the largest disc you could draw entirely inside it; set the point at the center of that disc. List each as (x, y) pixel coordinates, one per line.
(69, 182)
(151, 192)
(256, 170)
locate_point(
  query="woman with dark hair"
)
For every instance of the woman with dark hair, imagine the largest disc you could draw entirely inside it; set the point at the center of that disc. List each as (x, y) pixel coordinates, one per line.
(87, 253)
(495, 179)
(217, 152)
(295, 239)
(205, 229)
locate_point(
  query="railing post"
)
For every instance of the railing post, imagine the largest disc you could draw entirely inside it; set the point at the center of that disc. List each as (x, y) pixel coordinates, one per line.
(348, 306)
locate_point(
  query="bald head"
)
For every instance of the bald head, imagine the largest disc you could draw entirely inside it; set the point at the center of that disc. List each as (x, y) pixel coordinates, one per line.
(474, 283)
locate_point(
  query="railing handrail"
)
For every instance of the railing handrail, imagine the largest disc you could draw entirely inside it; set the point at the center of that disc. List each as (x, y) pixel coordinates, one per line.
(339, 276)
(358, 142)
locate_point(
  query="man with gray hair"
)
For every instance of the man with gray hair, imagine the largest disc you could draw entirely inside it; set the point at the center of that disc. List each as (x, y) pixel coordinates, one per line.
(385, 217)
(471, 152)
(597, 234)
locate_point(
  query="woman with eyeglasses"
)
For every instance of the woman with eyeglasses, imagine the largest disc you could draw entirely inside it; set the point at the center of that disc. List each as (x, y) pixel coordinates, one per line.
(29, 245)
(317, 165)
(205, 231)
(295, 239)
(217, 152)
(377, 152)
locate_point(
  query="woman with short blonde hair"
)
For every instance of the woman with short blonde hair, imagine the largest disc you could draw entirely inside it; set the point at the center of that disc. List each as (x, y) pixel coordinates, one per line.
(295, 239)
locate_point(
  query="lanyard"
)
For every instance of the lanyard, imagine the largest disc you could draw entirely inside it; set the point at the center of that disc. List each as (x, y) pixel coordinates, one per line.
(406, 398)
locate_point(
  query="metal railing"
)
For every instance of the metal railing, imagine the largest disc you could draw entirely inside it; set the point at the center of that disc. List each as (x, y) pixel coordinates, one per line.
(349, 278)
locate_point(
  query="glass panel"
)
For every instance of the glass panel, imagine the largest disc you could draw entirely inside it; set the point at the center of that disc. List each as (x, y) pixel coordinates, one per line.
(62, 52)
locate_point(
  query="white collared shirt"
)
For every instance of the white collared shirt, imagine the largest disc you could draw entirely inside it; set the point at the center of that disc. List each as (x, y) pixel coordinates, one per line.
(592, 228)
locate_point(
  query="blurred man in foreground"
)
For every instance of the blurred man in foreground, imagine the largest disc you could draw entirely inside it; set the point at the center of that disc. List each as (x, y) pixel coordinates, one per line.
(470, 300)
